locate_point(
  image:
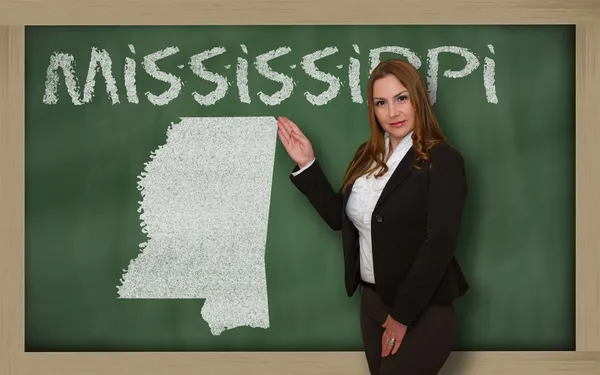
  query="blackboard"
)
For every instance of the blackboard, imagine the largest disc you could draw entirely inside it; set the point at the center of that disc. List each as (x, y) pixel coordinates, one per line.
(84, 154)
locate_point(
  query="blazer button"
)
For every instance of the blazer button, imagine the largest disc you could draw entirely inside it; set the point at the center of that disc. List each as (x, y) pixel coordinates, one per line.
(379, 218)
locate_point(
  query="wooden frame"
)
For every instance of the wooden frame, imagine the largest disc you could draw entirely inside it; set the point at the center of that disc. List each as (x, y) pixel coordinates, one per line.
(585, 14)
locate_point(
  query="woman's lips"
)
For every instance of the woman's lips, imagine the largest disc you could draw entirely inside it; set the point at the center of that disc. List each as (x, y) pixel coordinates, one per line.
(398, 123)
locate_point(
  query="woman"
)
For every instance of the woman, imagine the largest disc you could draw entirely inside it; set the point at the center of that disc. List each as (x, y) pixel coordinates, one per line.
(399, 210)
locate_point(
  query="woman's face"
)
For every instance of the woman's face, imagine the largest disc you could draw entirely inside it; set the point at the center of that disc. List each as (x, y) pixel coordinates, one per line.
(393, 108)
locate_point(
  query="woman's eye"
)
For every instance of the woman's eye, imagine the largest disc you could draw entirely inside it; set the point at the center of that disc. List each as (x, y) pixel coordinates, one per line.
(402, 98)
(378, 103)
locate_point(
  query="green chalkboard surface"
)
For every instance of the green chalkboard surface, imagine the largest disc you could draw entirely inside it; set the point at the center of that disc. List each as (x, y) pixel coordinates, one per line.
(100, 102)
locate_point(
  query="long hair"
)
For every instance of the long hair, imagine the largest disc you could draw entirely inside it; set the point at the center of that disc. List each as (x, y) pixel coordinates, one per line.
(370, 156)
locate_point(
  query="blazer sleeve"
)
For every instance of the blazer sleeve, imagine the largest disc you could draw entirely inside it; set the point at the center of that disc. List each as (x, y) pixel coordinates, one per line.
(447, 196)
(313, 183)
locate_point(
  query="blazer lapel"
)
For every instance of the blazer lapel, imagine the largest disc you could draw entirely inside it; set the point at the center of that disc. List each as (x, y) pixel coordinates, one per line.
(400, 173)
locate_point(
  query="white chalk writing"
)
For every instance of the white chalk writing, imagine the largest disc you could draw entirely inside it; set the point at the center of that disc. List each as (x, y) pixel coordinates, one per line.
(100, 59)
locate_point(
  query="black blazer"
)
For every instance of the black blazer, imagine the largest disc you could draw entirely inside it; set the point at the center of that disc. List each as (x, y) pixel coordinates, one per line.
(415, 225)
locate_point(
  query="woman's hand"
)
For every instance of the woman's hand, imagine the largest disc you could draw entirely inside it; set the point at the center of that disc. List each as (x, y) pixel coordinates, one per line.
(296, 144)
(393, 331)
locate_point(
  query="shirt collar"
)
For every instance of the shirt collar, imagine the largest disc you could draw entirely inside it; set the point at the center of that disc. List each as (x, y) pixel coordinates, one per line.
(405, 143)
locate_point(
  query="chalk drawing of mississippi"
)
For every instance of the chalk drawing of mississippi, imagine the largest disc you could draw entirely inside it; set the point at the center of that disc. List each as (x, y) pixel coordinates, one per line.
(205, 208)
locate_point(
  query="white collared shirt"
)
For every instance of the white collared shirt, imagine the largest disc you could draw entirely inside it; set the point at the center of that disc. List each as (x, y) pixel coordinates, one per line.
(365, 194)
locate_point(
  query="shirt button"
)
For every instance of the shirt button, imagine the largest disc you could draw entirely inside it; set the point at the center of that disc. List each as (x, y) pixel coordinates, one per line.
(379, 218)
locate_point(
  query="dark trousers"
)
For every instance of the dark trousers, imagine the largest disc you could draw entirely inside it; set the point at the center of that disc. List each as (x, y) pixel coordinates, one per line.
(425, 347)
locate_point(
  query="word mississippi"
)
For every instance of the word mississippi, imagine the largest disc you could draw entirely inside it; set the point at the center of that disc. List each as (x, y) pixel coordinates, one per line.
(101, 61)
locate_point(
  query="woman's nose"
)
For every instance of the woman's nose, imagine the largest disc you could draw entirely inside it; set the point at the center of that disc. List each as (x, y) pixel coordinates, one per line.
(392, 111)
